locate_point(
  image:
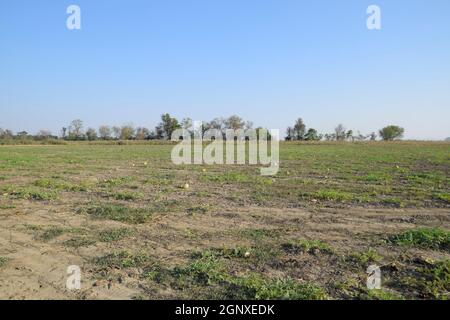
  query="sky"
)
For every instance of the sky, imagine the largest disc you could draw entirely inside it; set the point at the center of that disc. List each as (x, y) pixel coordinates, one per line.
(269, 61)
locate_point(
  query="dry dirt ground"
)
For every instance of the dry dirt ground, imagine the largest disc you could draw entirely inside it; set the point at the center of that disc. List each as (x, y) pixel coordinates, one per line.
(38, 270)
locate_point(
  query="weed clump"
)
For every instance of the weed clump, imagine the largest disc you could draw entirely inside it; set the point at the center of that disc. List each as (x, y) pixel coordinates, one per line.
(427, 238)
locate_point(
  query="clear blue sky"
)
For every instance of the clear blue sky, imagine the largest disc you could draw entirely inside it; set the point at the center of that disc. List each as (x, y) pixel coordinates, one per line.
(268, 61)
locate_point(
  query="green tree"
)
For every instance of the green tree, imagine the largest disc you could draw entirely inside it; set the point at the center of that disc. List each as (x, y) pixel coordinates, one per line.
(167, 126)
(312, 135)
(391, 133)
(299, 129)
(91, 134)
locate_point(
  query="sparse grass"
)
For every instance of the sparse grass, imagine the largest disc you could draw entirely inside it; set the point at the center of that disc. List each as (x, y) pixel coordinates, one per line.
(432, 280)
(332, 195)
(112, 235)
(79, 242)
(50, 233)
(365, 257)
(260, 234)
(201, 209)
(127, 196)
(30, 193)
(378, 294)
(122, 259)
(428, 238)
(210, 272)
(118, 213)
(59, 185)
(256, 262)
(3, 261)
(309, 246)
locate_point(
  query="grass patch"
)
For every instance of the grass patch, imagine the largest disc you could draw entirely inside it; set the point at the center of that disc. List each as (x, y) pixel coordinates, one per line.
(237, 252)
(34, 194)
(122, 259)
(114, 234)
(379, 294)
(50, 234)
(259, 234)
(210, 272)
(443, 197)
(3, 261)
(257, 287)
(59, 185)
(427, 238)
(127, 196)
(333, 195)
(365, 257)
(114, 182)
(431, 280)
(118, 213)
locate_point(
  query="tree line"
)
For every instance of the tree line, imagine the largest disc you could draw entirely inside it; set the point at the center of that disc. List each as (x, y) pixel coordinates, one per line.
(76, 131)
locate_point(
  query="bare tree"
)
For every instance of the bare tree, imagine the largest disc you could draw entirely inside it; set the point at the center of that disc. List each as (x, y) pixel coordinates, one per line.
(43, 134)
(75, 129)
(234, 122)
(339, 132)
(105, 132)
(142, 133)
(116, 132)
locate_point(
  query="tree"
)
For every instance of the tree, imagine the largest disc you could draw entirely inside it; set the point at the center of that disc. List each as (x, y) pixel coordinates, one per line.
(63, 132)
(116, 132)
(127, 132)
(44, 134)
(339, 132)
(312, 135)
(289, 134)
(248, 125)
(234, 122)
(105, 132)
(373, 136)
(75, 129)
(91, 134)
(167, 126)
(299, 129)
(391, 133)
(349, 135)
(187, 124)
(6, 134)
(142, 133)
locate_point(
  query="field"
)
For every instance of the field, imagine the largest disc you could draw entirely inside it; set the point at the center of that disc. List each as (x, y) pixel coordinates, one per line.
(125, 215)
